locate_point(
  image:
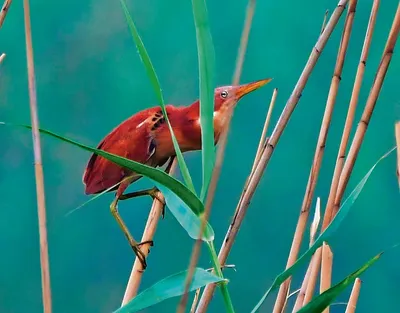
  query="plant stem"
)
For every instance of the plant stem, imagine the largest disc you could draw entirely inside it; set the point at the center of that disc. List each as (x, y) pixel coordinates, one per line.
(148, 234)
(39, 176)
(218, 271)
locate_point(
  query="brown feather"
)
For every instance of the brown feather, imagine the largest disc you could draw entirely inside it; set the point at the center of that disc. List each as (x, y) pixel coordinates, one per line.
(131, 139)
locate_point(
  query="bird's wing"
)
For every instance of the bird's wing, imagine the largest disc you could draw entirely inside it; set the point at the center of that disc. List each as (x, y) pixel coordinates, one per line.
(133, 140)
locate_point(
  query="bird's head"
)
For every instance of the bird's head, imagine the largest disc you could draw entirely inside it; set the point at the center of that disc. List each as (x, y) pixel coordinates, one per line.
(225, 100)
(226, 97)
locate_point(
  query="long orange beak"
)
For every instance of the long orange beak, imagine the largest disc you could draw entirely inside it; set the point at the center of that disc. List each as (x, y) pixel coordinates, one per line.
(247, 88)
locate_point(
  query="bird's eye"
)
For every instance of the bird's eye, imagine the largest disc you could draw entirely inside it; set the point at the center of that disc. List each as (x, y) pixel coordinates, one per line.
(224, 94)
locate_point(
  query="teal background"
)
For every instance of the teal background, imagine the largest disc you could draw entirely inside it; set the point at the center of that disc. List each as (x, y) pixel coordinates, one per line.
(90, 78)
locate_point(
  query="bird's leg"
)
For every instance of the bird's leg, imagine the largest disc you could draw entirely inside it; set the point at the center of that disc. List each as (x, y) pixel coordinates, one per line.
(152, 192)
(133, 243)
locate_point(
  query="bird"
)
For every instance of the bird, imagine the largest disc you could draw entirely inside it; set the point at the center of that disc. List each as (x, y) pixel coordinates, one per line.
(145, 138)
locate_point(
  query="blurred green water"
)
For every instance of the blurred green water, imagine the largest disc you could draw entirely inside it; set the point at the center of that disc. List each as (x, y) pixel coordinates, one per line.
(89, 78)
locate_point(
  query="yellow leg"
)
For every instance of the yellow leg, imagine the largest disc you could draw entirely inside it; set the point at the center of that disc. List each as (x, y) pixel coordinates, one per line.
(152, 192)
(134, 244)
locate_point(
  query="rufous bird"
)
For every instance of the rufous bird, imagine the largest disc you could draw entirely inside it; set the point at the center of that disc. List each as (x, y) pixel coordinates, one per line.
(145, 138)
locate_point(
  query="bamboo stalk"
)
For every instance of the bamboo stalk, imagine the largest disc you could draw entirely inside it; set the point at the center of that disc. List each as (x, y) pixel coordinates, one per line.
(397, 135)
(270, 146)
(318, 156)
(355, 292)
(39, 177)
(148, 234)
(4, 11)
(351, 112)
(326, 270)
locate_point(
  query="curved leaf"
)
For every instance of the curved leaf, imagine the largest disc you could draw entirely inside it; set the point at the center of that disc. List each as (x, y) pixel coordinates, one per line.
(157, 89)
(206, 56)
(187, 196)
(333, 226)
(188, 220)
(169, 287)
(319, 303)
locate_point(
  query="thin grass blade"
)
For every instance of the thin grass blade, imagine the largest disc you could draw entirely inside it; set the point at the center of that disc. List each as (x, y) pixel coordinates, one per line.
(206, 57)
(319, 303)
(329, 231)
(92, 199)
(169, 287)
(157, 89)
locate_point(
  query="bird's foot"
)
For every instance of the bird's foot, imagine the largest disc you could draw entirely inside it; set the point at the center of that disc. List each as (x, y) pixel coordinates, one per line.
(154, 193)
(149, 242)
(139, 253)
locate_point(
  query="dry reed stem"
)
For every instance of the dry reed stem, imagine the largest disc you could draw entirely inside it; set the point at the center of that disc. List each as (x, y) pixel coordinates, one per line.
(219, 157)
(44, 254)
(270, 146)
(2, 57)
(315, 222)
(350, 114)
(318, 155)
(265, 128)
(368, 110)
(312, 279)
(326, 270)
(324, 21)
(366, 116)
(397, 135)
(302, 293)
(148, 234)
(313, 232)
(4, 11)
(263, 141)
(195, 301)
(352, 304)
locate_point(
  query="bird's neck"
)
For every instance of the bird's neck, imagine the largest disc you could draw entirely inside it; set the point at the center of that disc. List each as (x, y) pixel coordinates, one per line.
(220, 116)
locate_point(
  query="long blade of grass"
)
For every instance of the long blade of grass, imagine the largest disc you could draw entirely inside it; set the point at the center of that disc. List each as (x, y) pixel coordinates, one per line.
(333, 226)
(206, 56)
(157, 89)
(169, 287)
(319, 303)
(180, 200)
